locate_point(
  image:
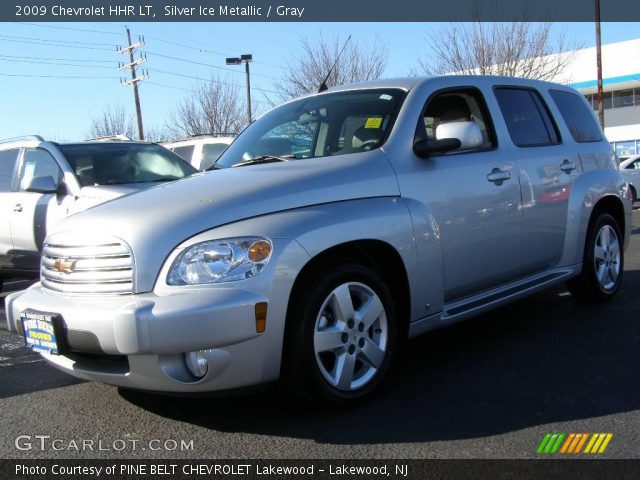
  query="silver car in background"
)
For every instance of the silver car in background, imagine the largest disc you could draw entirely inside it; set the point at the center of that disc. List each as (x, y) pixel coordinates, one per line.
(353, 219)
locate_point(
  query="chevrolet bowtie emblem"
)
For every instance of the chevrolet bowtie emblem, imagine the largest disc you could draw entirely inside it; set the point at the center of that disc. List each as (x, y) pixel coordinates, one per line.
(64, 265)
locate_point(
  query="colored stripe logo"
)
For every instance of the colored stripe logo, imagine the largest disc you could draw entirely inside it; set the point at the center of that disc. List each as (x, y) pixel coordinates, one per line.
(574, 443)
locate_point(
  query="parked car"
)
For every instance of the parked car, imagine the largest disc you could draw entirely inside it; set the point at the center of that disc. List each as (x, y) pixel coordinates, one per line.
(43, 182)
(353, 219)
(630, 169)
(201, 151)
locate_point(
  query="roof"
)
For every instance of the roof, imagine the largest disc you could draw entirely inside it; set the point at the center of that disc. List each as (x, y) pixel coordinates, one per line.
(408, 83)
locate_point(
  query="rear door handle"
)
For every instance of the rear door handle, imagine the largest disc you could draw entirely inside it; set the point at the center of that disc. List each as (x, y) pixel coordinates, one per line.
(498, 176)
(567, 166)
(17, 208)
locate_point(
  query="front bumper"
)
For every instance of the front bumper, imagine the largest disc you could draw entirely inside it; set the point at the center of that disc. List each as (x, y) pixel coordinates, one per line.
(139, 341)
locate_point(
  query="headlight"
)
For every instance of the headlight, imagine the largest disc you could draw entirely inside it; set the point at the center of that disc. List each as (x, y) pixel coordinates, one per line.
(218, 261)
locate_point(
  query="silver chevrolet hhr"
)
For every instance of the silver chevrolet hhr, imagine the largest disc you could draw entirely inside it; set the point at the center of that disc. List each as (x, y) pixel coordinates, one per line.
(351, 220)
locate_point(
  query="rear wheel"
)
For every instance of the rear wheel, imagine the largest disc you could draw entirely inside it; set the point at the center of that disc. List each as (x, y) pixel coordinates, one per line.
(603, 262)
(341, 335)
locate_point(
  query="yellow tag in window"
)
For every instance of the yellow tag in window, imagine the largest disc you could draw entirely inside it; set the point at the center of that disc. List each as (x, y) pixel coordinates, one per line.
(373, 122)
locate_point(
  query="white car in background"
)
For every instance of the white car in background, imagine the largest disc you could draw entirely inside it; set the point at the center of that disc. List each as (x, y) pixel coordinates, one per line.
(42, 182)
(630, 170)
(201, 151)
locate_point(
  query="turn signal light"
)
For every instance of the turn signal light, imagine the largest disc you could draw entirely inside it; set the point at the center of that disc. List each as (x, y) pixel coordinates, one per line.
(261, 317)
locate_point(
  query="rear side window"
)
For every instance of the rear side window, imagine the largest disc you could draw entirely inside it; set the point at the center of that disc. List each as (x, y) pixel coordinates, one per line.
(577, 116)
(210, 154)
(185, 152)
(527, 117)
(8, 159)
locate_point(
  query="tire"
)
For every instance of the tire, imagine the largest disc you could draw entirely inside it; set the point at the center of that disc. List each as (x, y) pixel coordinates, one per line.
(602, 271)
(335, 355)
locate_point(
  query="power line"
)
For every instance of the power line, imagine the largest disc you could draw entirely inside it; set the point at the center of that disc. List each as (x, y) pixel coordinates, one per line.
(54, 41)
(69, 28)
(50, 45)
(161, 55)
(208, 80)
(58, 59)
(55, 76)
(51, 63)
(148, 82)
(157, 37)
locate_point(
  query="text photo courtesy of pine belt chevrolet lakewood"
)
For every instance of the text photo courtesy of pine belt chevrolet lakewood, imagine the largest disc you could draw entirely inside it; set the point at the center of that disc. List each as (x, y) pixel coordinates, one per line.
(353, 219)
(43, 182)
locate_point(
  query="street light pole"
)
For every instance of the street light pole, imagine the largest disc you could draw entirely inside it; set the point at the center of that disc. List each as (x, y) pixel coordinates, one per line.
(599, 100)
(246, 65)
(246, 59)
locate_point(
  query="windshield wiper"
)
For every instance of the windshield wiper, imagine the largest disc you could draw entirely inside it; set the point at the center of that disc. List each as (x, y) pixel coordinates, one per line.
(162, 179)
(265, 159)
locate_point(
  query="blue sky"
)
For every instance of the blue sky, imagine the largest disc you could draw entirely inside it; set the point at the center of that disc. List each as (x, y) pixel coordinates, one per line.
(34, 56)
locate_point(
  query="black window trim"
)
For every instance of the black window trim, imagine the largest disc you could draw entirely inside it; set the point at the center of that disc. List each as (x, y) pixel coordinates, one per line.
(484, 108)
(535, 94)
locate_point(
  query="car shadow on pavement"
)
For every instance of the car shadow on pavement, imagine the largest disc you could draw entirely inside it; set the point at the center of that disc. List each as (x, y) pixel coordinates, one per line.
(541, 360)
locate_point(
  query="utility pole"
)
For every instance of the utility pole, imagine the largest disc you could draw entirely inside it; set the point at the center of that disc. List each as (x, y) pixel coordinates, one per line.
(129, 49)
(599, 66)
(246, 59)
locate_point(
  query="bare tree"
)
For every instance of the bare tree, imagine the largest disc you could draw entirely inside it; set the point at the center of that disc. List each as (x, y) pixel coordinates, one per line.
(216, 106)
(357, 63)
(114, 120)
(515, 49)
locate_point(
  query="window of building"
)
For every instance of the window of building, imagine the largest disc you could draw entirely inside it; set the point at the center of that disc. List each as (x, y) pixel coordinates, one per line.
(577, 116)
(623, 98)
(626, 149)
(528, 119)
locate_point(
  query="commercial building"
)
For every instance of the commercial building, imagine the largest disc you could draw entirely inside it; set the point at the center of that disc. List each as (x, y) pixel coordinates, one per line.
(621, 84)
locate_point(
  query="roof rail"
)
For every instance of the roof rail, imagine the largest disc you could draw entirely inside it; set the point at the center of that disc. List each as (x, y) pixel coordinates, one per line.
(212, 134)
(23, 138)
(109, 138)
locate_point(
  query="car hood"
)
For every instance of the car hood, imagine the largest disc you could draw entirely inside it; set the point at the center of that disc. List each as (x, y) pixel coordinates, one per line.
(154, 221)
(108, 192)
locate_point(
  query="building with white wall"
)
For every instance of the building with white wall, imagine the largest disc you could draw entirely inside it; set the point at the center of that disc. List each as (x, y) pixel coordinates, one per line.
(621, 84)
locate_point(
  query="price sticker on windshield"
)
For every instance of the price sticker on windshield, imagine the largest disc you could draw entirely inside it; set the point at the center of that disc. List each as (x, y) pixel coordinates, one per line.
(373, 122)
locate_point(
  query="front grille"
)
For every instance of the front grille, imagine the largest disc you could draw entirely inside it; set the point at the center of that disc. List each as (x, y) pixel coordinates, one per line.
(104, 267)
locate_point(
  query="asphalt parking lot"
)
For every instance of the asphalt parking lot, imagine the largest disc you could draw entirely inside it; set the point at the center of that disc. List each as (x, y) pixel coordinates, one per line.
(488, 388)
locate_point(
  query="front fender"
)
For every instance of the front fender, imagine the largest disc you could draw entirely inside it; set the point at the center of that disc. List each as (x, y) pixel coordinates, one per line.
(388, 219)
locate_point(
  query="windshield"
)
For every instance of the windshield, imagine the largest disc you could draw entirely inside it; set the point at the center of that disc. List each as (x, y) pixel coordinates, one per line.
(318, 126)
(122, 163)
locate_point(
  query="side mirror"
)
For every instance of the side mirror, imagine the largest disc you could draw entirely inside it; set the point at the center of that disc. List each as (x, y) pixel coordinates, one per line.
(42, 185)
(468, 133)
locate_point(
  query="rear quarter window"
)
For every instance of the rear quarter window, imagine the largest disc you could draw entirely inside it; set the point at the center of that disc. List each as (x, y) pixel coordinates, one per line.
(528, 119)
(185, 152)
(577, 116)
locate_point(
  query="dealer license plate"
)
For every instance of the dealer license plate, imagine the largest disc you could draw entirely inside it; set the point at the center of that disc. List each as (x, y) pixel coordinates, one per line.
(39, 331)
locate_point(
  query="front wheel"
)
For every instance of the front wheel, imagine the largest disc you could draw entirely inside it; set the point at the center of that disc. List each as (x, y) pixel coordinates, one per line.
(603, 262)
(341, 335)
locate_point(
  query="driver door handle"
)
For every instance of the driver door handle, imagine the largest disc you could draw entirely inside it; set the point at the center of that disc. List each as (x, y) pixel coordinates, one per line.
(17, 208)
(567, 166)
(498, 176)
